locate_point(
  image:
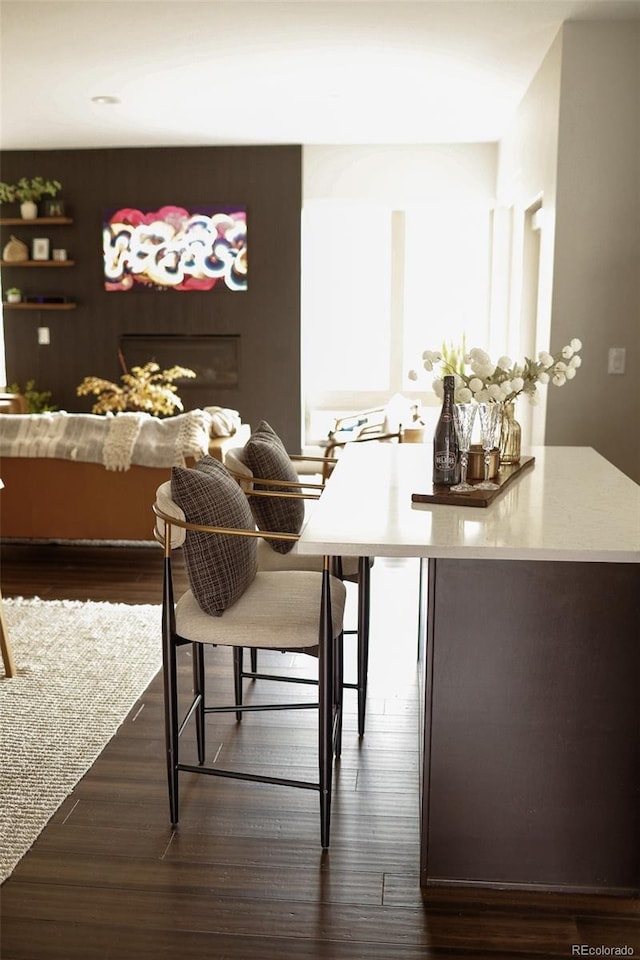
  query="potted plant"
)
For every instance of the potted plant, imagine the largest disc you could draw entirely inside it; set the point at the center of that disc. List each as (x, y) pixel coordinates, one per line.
(37, 401)
(28, 190)
(14, 295)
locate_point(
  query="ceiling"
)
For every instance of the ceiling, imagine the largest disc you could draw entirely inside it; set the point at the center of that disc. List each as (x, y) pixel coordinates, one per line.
(208, 72)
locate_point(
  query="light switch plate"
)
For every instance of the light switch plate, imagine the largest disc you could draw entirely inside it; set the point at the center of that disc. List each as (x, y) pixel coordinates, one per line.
(617, 359)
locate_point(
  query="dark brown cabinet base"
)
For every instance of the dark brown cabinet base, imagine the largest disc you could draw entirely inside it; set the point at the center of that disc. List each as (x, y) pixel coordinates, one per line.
(531, 771)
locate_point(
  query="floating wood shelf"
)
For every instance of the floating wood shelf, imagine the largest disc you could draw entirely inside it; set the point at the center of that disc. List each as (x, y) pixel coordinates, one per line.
(39, 221)
(39, 306)
(37, 263)
(34, 264)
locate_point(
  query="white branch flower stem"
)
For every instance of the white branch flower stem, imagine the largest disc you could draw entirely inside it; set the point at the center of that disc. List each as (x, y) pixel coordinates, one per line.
(503, 381)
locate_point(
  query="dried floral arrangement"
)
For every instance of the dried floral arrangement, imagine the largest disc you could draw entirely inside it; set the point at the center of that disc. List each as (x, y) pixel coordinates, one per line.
(146, 389)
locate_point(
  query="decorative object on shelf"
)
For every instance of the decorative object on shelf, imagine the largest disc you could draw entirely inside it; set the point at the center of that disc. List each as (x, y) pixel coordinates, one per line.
(501, 382)
(14, 295)
(28, 191)
(29, 210)
(144, 389)
(54, 208)
(510, 435)
(46, 298)
(59, 254)
(40, 248)
(15, 251)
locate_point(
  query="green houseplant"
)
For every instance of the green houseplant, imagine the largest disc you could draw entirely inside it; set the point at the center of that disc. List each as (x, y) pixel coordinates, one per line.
(37, 400)
(28, 191)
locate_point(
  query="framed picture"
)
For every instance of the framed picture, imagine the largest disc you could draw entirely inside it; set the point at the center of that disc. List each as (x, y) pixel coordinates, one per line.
(40, 249)
(54, 208)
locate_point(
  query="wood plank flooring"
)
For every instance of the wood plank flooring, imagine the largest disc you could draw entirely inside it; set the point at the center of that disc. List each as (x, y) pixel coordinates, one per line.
(243, 876)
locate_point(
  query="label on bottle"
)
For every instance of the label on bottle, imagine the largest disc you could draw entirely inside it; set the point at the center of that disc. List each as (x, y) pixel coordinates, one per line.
(445, 459)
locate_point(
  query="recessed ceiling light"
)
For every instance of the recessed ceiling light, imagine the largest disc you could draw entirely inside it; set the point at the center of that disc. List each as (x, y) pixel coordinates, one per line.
(105, 99)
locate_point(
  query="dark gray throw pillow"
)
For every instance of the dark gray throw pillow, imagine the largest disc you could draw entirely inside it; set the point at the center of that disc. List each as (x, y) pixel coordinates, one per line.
(220, 567)
(267, 458)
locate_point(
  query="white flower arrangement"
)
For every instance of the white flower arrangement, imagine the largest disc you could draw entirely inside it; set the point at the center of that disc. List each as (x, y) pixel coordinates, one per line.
(503, 381)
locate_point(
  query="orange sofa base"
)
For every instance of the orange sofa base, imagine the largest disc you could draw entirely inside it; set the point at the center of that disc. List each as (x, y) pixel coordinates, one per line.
(66, 500)
(48, 499)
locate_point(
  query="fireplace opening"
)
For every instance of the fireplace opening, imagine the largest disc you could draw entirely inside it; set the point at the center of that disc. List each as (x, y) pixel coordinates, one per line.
(214, 358)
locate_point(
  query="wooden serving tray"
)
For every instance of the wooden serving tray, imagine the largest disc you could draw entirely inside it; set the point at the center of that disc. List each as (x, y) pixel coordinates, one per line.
(476, 498)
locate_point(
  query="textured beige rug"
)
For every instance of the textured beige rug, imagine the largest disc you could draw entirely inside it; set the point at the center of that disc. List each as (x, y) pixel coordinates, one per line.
(81, 667)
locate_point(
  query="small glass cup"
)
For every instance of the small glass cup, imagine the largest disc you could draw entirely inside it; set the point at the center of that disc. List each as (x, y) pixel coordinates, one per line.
(463, 415)
(490, 414)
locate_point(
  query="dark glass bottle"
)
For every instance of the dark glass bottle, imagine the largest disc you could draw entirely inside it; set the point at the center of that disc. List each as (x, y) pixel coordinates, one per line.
(446, 455)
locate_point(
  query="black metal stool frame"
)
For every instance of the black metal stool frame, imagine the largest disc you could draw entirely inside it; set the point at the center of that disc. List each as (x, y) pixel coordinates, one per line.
(329, 704)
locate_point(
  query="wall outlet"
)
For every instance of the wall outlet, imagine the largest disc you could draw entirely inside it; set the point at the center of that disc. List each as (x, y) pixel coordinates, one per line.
(43, 336)
(617, 359)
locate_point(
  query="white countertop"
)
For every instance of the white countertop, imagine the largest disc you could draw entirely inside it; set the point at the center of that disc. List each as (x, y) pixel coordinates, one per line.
(572, 504)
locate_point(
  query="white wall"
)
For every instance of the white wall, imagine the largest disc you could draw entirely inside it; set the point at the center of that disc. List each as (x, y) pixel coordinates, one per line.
(527, 170)
(397, 175)
(596, 294)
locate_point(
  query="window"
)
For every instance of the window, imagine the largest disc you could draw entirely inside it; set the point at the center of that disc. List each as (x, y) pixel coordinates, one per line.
(345, 297)
(379, 286)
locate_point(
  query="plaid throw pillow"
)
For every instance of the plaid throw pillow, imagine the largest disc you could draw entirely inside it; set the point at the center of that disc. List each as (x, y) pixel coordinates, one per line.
(220, 568)
(267, 458)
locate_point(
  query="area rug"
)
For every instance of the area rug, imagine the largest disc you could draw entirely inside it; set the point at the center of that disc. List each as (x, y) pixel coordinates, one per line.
(81, 667)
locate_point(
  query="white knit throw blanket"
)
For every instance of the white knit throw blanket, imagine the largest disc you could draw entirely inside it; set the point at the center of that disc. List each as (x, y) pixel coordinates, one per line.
(122, 433)
(117, 441)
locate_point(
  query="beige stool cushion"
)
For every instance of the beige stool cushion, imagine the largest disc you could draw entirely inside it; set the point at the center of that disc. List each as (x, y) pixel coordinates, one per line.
(279, 608)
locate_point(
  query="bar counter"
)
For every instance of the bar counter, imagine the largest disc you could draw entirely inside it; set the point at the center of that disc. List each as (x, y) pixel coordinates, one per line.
(571, 505)
(530, 657)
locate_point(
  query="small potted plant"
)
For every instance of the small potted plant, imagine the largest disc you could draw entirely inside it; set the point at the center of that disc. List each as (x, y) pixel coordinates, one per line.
(14, 295)
(35, 401)
(28, 190)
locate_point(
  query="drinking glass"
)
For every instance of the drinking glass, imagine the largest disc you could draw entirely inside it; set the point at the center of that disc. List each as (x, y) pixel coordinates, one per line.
(463, 415)
(489, 414)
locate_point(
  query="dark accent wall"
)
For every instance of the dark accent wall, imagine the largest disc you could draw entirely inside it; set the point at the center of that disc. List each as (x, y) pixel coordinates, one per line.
(267, 180)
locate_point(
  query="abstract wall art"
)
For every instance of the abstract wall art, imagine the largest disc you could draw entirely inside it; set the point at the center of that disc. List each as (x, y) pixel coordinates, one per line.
(174, 248)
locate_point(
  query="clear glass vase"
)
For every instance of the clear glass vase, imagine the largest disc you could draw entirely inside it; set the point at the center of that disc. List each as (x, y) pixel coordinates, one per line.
(510, 435)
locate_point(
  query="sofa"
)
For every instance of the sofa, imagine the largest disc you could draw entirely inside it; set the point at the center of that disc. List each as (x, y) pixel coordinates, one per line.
(86, 477)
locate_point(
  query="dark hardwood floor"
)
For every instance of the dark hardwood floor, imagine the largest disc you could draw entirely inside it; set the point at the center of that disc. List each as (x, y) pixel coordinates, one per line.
(243, 876)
